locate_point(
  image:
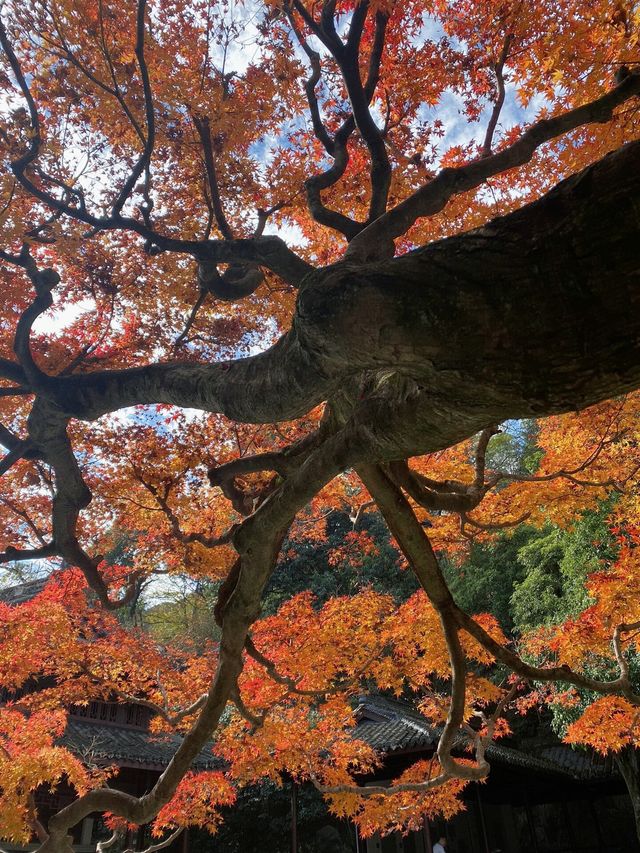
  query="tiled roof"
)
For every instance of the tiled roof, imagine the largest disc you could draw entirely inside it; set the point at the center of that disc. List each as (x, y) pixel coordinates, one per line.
(22, 592)
(111, 744)
(392, 736)
(579, 763)
(126, 746)
(392, 726)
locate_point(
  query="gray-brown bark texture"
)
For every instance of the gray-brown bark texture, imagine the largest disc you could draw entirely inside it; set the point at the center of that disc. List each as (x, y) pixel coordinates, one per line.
(534, 313)
(628, 765)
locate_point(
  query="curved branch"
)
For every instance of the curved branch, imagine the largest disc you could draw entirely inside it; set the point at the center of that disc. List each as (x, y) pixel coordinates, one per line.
(380, 173)
(564, 674)
(43, 282)
(10, 554)
(48, 433)
(159, 845)
(360, 96)
(35, 141)
(249, 716)
(316, 183)
(372, 790)
(497, 107)
(172, 718)
(14, 455)
(415, 545)
(272, 671)
(101, 846)
(455, 717)
(176, 530)
(237, 282)
(204, 132)
(440, 499)
(481, 455)
(144, 160)
(320, 131)
(433, 197)
(12, 371)
(491, 525)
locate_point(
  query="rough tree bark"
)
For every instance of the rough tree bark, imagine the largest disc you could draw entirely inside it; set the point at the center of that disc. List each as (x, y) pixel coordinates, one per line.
(628, 764)
(534, 313)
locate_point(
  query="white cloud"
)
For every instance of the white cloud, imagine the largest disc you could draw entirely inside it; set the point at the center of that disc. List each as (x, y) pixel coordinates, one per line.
(59, 318)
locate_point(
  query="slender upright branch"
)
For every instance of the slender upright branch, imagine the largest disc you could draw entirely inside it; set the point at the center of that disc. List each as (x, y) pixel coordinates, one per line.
(497, 107)
(143, 163)
(433, 197)
(203, 128)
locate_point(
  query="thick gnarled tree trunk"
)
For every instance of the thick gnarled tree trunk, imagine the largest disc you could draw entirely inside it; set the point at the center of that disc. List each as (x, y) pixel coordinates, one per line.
(535, 313)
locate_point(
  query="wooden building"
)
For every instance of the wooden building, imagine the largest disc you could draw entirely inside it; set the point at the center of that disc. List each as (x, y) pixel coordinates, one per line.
(543, 797)
(105, 734)
(109, 733)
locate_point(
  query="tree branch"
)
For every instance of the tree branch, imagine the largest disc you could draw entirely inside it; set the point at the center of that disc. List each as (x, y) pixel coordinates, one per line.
(144, 160)
(497, 107)
(201, 124)
(417, 548)
(176, 530)
(387, 791)
(270, 252)
(433, 197)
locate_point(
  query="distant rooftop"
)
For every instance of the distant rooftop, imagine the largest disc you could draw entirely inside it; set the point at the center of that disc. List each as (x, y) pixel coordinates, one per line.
(105, 733)
(393, 726)
(22, 592)
(126, 747)
(388, 725)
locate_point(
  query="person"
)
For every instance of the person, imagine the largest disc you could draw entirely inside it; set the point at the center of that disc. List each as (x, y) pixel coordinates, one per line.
(439, 846)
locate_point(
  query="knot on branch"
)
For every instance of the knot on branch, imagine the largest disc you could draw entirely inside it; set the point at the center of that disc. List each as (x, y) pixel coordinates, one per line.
(624, 73)
(236, 282)
(226, 590)
(45, 280)
(152, 249)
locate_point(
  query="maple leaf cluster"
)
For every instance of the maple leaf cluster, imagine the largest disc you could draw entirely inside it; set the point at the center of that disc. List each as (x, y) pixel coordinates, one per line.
(209, 214)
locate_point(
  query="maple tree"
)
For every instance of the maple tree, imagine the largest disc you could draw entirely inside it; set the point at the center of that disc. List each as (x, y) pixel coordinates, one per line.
(429, 290)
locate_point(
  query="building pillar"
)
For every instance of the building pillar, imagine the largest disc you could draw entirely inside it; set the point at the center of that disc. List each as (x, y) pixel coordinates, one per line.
(594, 812)
(294, 816)
(86, 832)
(482, 822)
(532, 825)
(426, 836)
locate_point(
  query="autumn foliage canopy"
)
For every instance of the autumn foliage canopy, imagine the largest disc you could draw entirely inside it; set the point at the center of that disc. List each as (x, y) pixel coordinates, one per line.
(249, 281)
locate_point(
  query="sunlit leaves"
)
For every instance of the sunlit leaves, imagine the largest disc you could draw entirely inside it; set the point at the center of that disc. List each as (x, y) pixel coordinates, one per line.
(196, 803)
(29, 758)
(240, 70)
(608, 724)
